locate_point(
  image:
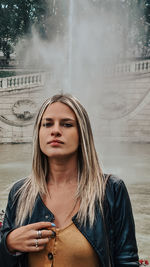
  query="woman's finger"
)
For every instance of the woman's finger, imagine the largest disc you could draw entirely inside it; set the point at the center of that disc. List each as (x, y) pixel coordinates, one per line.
(44, 233)
(40, 225)
(35, 249)
(38, 242)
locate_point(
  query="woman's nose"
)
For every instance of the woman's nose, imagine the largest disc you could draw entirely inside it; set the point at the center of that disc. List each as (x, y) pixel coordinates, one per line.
(56, 131)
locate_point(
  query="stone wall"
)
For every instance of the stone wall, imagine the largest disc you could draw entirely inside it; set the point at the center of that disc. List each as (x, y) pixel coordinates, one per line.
(17, 111)
(19, 100)
(122, 112)
(125, 109)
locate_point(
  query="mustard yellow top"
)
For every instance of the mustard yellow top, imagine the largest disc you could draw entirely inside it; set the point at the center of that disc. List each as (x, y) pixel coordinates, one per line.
(69, 248)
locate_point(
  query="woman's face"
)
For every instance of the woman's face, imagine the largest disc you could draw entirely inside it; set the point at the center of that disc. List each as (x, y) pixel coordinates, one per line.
(58, 134)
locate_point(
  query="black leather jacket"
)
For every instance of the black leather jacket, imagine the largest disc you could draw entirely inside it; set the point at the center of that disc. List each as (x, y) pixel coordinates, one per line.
(112, 236)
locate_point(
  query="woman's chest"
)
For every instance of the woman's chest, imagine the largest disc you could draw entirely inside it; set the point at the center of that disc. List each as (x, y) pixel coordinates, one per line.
(63, 205)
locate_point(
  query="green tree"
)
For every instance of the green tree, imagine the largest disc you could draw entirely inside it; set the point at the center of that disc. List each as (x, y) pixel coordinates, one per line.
(17, 18)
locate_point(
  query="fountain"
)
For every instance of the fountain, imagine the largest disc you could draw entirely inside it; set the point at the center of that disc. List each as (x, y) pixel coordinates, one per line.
(81, 60)
(70, 44)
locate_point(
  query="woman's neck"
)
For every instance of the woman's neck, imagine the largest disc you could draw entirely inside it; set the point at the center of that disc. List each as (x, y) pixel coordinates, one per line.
(63, 172)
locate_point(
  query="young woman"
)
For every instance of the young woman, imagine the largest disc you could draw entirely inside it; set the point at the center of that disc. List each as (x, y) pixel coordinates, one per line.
(67, 213)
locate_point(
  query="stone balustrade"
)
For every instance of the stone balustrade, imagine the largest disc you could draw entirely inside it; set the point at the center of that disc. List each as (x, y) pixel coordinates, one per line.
(38, 79)
(124, 109)
(135, 67)
(22, 81)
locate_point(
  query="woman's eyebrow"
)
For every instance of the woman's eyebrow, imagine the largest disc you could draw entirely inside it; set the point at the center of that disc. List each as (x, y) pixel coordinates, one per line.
(62, 119)
(47, 119)
(68, 119)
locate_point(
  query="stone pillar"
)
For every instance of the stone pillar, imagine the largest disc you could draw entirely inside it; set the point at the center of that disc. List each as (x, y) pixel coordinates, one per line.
(4, 83)
(132, 67)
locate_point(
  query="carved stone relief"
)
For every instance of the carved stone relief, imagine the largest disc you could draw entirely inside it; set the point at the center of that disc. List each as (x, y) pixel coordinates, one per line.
(111, 106)
(24, 109)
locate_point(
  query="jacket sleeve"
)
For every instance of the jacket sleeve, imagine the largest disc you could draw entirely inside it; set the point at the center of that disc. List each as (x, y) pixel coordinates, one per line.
(125, 246)
(6, 258)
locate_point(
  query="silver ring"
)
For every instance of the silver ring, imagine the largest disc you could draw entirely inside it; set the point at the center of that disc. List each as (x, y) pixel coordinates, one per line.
(36, 243)
(39, 233)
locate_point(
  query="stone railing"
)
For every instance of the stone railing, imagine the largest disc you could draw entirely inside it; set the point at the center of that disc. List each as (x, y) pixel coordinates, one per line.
(22, 81)
(37, 79)
(137, 67)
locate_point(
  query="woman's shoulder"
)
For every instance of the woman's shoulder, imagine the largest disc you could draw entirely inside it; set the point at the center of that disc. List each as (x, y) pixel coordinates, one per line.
(116, 191)
(112, 179)
(17, 185)
(114, 184)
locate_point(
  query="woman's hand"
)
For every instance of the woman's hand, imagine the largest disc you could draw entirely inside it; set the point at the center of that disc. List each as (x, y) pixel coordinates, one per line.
(30, 238)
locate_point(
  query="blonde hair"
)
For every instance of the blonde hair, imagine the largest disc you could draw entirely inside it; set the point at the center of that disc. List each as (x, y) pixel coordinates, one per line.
(91, 184)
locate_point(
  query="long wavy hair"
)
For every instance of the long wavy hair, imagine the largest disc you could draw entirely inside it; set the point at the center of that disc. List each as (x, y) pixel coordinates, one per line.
(91, 182)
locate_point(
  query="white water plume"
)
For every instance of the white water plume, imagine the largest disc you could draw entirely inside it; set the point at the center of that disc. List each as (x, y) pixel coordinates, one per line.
(70, 43)
(87, 38)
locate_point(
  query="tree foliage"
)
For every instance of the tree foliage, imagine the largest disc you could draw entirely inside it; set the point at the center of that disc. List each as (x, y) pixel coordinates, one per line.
(17, 18)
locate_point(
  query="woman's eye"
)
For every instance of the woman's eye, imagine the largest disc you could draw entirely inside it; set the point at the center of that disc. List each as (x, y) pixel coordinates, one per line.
(67, 125)
(47, 124)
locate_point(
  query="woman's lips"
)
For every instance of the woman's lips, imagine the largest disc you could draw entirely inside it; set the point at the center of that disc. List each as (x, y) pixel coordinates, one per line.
(55, 142)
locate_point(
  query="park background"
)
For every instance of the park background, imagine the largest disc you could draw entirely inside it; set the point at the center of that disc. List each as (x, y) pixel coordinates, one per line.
(97, 50)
